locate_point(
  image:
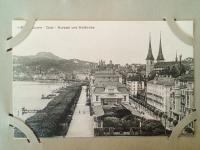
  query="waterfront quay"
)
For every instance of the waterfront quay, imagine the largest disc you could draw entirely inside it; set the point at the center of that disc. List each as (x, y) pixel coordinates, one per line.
(55, 118)
(82, 122)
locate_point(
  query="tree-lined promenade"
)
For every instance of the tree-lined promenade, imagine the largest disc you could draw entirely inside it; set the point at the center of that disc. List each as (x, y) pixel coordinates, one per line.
(55, 118)
(82, 122)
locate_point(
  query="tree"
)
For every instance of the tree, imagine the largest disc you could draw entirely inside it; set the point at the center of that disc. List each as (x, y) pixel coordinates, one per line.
(111, 122)
(152, 127)
(130, 122)
(156, 112)
(166, 71)
(174, 72)
(165, 115)
(175, 122)
(170, 119)
(151, 75)
(122, 113)
(182, 69)
(189, 130)
(160, 114)
(47, 122)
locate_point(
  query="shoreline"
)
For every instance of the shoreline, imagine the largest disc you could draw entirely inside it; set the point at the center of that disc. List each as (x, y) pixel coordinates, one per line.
(33, 95)
(40, 81)
(55, 117)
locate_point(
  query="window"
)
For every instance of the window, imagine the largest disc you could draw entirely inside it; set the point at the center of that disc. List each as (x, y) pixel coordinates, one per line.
(124, 98)
(110, 90)
(97, 98)
(174, 106)
(188, 101)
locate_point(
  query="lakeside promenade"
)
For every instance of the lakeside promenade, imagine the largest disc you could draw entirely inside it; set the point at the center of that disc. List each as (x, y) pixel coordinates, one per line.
(82, 123)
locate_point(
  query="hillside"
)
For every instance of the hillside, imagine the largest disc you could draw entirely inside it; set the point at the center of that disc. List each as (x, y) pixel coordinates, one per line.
(47, 62)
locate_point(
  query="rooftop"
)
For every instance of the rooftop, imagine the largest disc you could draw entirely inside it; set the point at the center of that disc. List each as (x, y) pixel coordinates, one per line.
(166, 81)
(123, 90)
(160, 54)
(186, 77)
(100, 87)
(109, 83)
(150, 54)
(165, 64)
(106, 73)
(135, 78)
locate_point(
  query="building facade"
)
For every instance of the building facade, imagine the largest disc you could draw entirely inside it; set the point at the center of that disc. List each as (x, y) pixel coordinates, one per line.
(182, 98)
(107, 76)
(106, 89)
(135, 87)
(81, 75)
(109, 94)
(158, 93)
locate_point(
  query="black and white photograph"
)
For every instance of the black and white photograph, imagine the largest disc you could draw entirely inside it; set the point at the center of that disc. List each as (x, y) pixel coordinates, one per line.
(103, 78)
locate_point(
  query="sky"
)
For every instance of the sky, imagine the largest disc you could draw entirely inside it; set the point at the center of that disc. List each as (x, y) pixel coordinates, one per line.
(120, 41)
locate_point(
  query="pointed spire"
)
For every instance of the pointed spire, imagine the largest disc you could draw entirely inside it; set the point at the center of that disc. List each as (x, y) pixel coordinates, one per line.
(150, 55)
(150, 40)
(176, 59)
(160, 54)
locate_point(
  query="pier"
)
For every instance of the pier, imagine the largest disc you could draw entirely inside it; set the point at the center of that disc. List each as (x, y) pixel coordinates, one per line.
(25, 111)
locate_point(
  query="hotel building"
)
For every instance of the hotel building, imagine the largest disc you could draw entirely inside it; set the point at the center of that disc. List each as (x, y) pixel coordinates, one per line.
(107, 89)
(158, 93)
(182, 97)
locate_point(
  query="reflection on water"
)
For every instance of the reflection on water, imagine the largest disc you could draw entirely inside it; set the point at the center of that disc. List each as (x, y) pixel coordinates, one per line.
(28, 94)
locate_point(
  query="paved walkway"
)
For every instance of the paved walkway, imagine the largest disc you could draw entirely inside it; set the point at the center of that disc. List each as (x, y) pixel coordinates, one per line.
(145, 115)
(148, 116)
(82, 123)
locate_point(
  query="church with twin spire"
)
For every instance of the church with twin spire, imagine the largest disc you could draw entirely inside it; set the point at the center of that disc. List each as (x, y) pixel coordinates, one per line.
(150, 61)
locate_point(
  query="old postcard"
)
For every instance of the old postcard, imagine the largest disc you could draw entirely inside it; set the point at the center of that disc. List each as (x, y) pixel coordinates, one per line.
(103, 78)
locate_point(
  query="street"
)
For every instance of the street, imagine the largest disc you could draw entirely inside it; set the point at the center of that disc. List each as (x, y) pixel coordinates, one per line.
(82, 123)
(145, 114)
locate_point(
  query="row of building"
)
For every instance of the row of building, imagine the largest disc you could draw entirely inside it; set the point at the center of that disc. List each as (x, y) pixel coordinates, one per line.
(174, 97)
(57, 76)
(171, 96)
(25, 76)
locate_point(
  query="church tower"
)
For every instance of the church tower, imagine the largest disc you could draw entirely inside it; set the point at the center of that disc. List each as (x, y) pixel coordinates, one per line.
(160, 57)
(176, 59)
(149, 59)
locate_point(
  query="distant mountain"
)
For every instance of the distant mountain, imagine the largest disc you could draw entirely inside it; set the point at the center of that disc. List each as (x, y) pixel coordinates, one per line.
(47, 55)
(46, 62)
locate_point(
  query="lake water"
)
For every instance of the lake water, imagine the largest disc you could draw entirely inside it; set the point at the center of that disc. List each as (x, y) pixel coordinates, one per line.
(28, 94)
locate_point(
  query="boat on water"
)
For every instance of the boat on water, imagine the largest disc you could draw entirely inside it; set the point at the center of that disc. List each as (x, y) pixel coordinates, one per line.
(45, 97)
(54, 93)
(50, 96)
